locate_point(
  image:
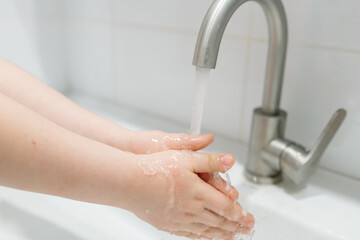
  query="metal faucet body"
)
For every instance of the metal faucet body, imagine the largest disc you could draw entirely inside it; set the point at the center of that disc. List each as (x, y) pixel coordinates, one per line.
(212, 30)
(270, 155)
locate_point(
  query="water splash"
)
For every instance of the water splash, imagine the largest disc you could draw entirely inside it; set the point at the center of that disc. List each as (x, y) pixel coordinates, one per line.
(228, 181)
(242, 236)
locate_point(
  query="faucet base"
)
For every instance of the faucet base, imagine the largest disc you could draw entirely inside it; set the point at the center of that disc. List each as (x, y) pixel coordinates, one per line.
(265, 128)
(261, 179)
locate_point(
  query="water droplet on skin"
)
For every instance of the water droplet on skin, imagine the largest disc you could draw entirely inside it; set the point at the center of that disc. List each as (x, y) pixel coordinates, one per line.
(153, 167)
(244, 212)
(228, 181)
(216, 177)
(161, 165)
(243, 236)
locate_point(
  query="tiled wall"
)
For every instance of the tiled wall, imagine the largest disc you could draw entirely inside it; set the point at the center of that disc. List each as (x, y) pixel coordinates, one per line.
(139, 53)
(32, 36)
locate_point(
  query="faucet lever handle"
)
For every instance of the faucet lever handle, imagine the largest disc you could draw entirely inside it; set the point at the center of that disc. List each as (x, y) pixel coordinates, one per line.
(298, 163)
(327, 134)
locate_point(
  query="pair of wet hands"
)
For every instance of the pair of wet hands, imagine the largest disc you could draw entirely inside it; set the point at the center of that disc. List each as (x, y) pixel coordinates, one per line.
(183, 195)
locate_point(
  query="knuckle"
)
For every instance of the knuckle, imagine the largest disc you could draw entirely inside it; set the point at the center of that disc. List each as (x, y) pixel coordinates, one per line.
(184, 136)
(212, 160)
(228, 209)
(202, 228)
(221, 222)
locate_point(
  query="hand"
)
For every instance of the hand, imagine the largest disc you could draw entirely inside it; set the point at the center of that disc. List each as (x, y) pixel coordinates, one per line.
(144, 142)
(169, 194)
(157, 141)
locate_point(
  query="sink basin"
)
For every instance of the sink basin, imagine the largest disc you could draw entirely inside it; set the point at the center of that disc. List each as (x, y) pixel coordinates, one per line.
(17, 224)
(279, 215)
(32, 216)
(327, 209)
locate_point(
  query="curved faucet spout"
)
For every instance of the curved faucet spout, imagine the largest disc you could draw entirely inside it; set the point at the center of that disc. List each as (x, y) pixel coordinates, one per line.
(211, 33)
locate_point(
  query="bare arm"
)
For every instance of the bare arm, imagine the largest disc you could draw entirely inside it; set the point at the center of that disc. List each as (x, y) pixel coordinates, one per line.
(34, 94)
(27, 90)
(38, 155)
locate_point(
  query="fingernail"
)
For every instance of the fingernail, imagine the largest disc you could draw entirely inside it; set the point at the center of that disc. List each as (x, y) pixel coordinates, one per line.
(227, 160)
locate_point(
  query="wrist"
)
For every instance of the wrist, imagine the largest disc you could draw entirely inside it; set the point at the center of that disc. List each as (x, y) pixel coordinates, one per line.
(119, 173)
(116, 136)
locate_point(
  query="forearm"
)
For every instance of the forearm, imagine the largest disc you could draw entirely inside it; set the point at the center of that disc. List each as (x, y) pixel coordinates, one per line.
(34, 94)
(38, 155)
(162, 189)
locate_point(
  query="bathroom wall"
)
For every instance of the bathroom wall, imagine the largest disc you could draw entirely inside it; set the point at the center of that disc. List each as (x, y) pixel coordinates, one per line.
(139, 53)
(32, 36)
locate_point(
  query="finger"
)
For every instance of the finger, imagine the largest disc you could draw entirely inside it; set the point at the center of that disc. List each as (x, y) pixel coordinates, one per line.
(214, 233)
(217, 233)
(220, 184)
(210, 162)
(225, 207)
(188, 142)
(189, 235)
(199, 229)
(195, 228)
(213, 220)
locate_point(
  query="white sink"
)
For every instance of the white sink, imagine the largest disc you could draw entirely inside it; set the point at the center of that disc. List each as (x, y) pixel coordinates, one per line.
(327, 209)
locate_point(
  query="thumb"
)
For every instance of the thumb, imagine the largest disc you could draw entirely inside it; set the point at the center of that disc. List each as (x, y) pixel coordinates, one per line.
(211, 162)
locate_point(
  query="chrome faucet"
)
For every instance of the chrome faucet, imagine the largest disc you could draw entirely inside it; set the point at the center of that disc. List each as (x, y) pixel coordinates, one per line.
(270, 155)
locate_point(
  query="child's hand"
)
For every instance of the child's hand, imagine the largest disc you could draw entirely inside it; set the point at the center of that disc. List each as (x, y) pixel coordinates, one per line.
(169, 194)
(156, 141)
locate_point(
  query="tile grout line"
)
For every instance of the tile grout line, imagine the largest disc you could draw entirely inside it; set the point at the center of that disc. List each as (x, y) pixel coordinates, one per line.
(114, 58)
(172, 29)
(66, 56)
(316, 46)
(148, 27)
(34, 17)
(329, 48)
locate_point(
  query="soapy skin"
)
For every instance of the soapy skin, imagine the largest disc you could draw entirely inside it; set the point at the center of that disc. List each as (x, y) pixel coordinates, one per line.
(183, 203)
(162, 188)
(157, 141)
(152, 141)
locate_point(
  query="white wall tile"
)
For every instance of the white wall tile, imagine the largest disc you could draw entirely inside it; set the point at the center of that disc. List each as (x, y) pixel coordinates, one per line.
(37, 46)
(90, 58)
(154, 72)
(31, 8)
(156, 75)
(322, 22)
(323, 81)
(90, 9)
(185, 15)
